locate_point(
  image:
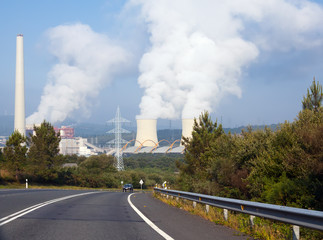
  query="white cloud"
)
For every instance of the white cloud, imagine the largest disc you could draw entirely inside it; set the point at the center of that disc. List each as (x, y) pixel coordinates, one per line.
(199, 48)
(86, 63)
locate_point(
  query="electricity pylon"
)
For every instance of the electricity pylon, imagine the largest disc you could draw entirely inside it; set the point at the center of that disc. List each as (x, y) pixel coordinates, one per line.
(118, 141)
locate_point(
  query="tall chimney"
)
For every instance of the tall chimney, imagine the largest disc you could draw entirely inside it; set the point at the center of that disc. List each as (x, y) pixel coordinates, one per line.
(187, 127)
(20, 88)
(146, 132)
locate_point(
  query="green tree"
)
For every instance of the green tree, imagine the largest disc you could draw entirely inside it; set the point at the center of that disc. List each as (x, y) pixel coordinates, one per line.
(194, 171)
(98, 164)
(43, 152)
(197, 148)
(15, 154)
(1, 157)
(289, 170)
(96, 171)
(314, 97)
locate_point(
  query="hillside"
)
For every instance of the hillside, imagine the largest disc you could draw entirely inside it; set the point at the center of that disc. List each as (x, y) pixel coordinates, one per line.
(97, 133)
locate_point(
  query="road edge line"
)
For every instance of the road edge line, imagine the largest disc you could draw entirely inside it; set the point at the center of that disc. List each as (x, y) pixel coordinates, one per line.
(150, 223)
(35, 207)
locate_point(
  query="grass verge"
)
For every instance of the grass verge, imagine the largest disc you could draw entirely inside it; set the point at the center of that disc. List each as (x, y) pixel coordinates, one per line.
(64, 187)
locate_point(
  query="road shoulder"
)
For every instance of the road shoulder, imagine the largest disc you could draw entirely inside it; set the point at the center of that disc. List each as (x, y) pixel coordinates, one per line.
(180, 224)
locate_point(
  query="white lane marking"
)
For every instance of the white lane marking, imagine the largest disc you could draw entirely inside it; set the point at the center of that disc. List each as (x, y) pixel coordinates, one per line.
(150, 223)
(23, 212)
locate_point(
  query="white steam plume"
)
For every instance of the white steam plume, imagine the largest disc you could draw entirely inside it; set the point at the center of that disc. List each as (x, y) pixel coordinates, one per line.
(199, 48)
(86, 61)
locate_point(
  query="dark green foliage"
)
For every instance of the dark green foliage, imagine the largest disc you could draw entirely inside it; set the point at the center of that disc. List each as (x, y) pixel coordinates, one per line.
(152, 168)
(290, 171)
(99, 171)
(152, 162)
(43, 153)
(196, 169)
(1, 158)
(14, 159)
(314, 97)
(282, 167)
(90, 175)
(96, 165)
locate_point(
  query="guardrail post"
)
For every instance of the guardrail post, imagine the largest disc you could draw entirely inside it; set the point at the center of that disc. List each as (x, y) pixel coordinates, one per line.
(296, 232)
(207, 208)
(225, 213)
(252, 223)
(194, 204)
(167, 196)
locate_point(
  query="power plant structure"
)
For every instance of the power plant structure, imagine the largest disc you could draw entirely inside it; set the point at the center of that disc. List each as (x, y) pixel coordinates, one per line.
(147, 141)
(187, 127)
(20, 122)
(146, 132)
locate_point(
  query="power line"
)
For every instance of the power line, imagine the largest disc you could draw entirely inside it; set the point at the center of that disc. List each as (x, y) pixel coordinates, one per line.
(118, 141)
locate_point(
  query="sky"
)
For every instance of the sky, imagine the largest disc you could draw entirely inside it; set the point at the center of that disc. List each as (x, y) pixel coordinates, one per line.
(246, 61)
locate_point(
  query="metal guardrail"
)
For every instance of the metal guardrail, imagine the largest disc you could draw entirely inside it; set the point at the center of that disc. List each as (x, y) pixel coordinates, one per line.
(295, 216)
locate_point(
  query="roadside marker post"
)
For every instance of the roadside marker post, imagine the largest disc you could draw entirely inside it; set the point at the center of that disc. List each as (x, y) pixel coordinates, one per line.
(141, 182)
(26, 183)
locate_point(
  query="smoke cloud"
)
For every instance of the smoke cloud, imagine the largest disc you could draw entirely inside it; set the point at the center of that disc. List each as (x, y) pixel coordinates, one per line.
(86, 62)
(199, 49)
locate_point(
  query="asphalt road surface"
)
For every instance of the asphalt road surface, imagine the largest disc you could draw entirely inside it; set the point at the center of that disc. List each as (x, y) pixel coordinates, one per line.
(67, 214)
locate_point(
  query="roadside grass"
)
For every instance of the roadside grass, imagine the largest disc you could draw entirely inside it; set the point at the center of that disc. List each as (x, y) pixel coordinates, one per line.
(64, 187)
(262, 229)
(12, 186)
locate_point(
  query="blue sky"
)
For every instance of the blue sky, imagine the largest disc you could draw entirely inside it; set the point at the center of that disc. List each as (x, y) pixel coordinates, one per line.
(272, 82)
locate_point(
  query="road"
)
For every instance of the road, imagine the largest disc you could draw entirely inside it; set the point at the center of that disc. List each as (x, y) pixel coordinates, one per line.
(68, 214)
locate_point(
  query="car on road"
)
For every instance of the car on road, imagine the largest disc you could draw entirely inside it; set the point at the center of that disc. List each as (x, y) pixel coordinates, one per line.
(128, 187)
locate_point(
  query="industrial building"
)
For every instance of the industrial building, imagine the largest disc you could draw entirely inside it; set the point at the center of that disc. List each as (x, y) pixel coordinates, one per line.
(69, 144)
(78, 146)
(65, 132)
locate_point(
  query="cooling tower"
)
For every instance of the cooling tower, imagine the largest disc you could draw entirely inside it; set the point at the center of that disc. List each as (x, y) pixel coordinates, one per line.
(187, 127)
(20, 124)
(146, 132)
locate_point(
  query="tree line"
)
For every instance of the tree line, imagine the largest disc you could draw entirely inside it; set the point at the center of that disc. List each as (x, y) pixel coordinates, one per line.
(37, 159)
(282, 167)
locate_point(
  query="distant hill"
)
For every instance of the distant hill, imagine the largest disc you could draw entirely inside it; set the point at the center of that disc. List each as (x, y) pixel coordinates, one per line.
(97, 135)
(254, 127)
(98, 132)
(89, 129)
